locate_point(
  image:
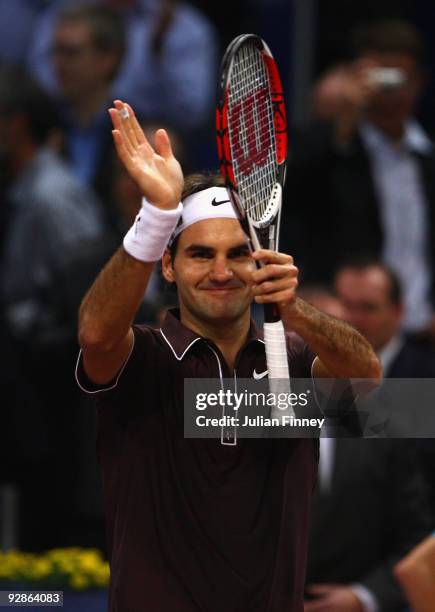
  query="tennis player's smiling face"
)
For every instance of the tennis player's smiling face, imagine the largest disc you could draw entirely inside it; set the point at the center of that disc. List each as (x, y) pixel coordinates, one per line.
(212, 269)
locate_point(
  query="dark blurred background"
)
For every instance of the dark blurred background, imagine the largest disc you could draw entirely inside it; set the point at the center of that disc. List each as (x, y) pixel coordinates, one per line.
(66, 202)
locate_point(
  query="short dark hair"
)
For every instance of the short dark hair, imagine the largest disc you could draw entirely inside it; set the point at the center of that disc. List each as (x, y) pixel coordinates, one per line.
(364, 262)
(107, 27)
(389, 36)
(200, 181)
(192, 184)
(21, 95)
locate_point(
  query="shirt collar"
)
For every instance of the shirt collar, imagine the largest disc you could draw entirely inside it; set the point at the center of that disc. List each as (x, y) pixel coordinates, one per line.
(414, 139)
(389, 352)
(98, 122)
(181, 338)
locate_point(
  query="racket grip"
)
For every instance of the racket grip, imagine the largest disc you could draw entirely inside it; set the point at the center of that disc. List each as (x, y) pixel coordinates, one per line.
(276, 350)
(277, 364)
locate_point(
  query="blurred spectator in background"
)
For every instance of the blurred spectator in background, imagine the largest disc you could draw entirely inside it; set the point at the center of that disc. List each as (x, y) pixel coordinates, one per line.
(51, 217)
(17, 20)
(370, 508)
(53, 243)
(416, 575)
(370, 294)
(371, 504)
(88, 48)
(323, 298)
(160, 55)
(169, 70)
(363, 177)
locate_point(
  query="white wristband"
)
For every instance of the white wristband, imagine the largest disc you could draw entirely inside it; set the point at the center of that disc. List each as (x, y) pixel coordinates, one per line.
(148, 237)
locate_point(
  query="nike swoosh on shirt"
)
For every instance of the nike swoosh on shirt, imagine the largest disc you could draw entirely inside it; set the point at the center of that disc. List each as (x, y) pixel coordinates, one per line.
(260, 375)
(214, 203)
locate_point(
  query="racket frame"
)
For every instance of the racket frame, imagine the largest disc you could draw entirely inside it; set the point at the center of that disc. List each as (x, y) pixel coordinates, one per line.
(262, 232)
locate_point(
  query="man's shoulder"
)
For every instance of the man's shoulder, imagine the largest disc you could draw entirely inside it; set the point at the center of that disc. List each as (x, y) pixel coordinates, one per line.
(416, 359)
(53, 179)
(150, 340)
(146, 335)
(139, 365)
(50, 194)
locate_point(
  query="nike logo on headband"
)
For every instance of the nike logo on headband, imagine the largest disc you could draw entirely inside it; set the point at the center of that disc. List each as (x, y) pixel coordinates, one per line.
(214, 203)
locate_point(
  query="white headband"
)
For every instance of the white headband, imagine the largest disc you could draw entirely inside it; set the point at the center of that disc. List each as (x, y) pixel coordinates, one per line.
(210, 203)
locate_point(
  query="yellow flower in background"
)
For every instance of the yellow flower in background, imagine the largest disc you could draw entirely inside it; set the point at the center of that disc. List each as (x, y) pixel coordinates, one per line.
(75, 568)
(89, 560)
(79, 582)
(102, 576)
(40, 568)
(14, 564)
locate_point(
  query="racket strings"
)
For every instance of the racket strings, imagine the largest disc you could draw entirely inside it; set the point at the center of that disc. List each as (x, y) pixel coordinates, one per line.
(252, 131)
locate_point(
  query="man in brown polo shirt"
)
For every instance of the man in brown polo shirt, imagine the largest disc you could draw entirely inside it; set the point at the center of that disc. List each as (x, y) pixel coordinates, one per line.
(199, 525)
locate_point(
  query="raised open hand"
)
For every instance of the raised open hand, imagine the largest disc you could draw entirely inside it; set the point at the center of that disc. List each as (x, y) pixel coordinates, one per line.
(156, 171)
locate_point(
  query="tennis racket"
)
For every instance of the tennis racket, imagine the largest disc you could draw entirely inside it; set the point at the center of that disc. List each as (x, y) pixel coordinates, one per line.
(251, 130)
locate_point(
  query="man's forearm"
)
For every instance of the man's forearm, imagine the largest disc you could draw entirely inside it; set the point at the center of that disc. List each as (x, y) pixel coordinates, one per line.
(340, 348)
(109, 307)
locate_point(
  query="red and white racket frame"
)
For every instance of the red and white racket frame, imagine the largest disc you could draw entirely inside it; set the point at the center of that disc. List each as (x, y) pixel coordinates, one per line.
(268, 230)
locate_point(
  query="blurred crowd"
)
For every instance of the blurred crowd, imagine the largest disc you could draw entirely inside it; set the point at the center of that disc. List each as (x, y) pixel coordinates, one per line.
(359, 219)
(361, 190)
(66, 204)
